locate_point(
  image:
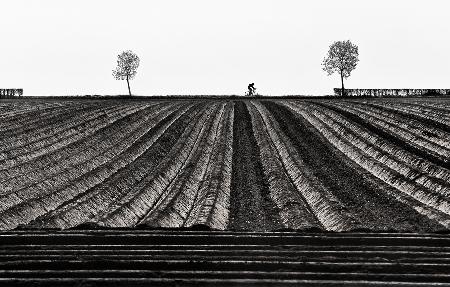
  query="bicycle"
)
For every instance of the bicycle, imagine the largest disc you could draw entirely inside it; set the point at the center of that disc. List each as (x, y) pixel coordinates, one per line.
(254, 94)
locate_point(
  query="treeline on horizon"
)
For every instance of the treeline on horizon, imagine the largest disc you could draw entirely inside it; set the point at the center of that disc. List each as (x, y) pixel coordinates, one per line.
(342, 58)
(381, 93)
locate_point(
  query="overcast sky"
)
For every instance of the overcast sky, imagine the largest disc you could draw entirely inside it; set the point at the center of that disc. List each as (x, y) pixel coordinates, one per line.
(218, 47)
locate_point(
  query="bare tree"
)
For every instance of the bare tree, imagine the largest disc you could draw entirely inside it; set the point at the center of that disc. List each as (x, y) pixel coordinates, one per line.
(342, 58)
(127, 64)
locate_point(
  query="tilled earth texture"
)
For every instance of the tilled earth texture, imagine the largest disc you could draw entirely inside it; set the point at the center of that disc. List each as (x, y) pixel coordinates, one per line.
(228, 192)
(378, 165)
(133, 257)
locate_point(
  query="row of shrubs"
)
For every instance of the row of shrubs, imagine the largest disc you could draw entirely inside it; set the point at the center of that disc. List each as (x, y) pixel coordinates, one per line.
(9, 93)
(392, 92)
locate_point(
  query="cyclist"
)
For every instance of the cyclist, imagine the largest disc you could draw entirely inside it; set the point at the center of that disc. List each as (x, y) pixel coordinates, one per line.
(251, 89)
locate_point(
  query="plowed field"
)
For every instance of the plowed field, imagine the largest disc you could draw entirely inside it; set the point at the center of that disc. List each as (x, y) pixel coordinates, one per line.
(243, 165)
(225, 192)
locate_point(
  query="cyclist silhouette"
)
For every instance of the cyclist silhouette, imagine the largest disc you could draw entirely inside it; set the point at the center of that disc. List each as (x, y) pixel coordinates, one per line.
(251, 89)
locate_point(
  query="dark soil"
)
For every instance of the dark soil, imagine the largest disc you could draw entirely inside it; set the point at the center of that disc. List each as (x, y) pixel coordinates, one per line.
(403, 144)
(407, 116)
(151, 157)
(371, 205)
(251, 207)
(177, 258)
(52, 115)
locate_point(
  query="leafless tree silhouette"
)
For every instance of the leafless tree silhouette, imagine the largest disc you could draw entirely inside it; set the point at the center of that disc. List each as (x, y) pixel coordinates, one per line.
(342, 57)
(127, 64)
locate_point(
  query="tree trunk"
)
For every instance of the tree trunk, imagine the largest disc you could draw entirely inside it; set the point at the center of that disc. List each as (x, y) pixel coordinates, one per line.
(342, 84)
(129, 91)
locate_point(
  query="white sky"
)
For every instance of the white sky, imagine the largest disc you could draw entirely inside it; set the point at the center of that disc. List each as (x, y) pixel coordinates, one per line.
(218, 47)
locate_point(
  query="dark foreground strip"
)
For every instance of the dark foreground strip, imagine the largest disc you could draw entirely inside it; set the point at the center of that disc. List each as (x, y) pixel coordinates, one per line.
(131, 257)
